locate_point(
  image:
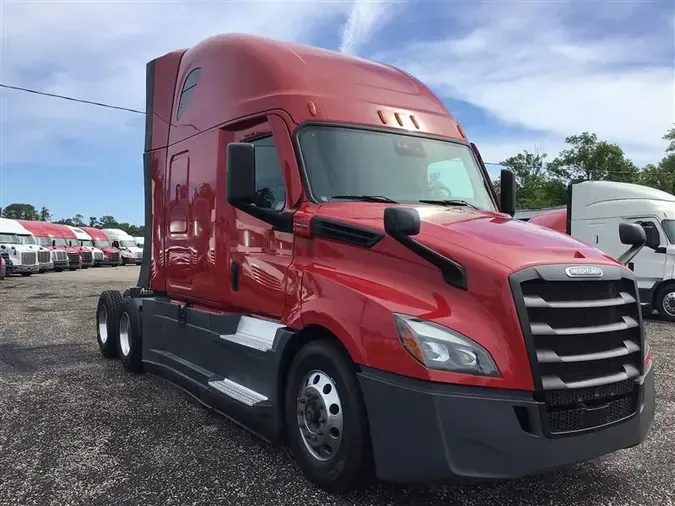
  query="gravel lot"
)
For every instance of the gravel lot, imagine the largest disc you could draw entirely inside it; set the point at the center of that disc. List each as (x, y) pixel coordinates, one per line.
(76, 429)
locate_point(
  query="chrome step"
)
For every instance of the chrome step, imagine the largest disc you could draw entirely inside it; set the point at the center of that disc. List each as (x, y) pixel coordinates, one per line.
(238, 392)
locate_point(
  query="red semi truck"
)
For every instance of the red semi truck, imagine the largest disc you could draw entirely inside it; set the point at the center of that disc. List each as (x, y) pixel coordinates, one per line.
(62, 237)
(326, 262)
(111, 255)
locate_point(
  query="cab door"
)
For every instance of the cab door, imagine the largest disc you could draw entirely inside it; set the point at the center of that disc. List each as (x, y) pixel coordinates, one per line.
(260, 254)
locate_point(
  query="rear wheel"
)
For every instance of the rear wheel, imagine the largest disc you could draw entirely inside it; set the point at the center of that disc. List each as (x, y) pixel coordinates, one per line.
(129, 344)
(107, 322)
(665, 302)
(326, 419)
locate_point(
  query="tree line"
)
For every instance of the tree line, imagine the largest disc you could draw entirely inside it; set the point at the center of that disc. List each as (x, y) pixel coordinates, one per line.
(540, 183)
(18, 211)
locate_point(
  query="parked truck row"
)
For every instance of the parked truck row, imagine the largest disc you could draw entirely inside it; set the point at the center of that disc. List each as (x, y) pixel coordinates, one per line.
(29, 247)
(328, 264)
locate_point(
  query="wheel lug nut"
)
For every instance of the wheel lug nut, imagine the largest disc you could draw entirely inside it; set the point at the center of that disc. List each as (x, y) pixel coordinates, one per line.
(322, 420)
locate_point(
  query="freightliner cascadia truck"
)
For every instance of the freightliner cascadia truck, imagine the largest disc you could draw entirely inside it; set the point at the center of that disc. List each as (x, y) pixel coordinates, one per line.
(327, 263)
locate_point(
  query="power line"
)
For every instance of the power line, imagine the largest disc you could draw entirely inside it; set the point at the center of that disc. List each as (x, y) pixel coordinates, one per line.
(72, 99)
(136, 111)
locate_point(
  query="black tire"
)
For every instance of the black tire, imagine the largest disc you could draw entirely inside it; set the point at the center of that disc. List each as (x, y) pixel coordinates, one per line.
(665, 298)
(129, 344)
(58, 269)
(26, 274)
(350, 465)
(107, 322)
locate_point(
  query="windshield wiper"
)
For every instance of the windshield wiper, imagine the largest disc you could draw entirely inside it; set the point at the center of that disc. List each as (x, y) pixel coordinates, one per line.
(448, 202)
(366, 198)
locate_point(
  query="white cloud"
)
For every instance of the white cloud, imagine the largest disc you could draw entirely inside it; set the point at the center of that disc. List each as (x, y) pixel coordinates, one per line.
(98, 51)
(521, 64)
(365, 18)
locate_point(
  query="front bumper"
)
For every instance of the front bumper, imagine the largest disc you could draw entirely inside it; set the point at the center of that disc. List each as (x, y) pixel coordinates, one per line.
(25, 268)
(61, 264)
(428, 432)
(46, 266)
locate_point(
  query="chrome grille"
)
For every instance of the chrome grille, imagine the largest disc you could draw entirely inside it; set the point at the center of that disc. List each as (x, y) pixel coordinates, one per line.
(43, 256)
(87, 257)
(115, 256)
(60, 255)
(28, 258)
(98, 255)
(73, 258)
(585, 341)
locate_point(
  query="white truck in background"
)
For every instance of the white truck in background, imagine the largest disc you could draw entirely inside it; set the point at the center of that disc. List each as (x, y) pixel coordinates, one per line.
(19, 258)
(86, 242)
(593, 214)
(129, 252)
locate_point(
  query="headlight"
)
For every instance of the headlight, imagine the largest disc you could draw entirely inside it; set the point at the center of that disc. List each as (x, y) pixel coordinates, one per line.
(440, 348)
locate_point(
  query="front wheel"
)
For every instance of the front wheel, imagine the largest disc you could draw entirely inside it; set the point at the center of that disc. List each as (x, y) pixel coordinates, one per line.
(665, 302)
(326, 418)
(26, 274)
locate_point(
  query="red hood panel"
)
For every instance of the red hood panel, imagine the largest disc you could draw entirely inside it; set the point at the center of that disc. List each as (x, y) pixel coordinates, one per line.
(509, 242)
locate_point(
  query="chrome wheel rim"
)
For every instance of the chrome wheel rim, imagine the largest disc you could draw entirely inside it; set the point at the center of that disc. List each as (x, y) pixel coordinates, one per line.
(320, 418)
(125, 330)
(669, 303)
(103, 324)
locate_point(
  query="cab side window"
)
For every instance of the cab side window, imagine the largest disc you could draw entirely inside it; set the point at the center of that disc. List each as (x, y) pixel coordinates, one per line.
(652, 233)
(269, 179)
(188, 90)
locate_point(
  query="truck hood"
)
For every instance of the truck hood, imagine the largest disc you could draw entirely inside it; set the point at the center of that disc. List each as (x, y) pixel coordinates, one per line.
(453, 231)
(18, 247)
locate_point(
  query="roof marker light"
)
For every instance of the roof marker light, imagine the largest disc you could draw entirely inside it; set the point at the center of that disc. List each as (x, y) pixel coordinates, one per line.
(382, 118)
(312, 108)
(414, 121)
(398, 118)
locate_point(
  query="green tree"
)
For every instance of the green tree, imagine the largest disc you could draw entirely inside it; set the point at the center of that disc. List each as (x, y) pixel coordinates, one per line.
(44, 214)
(93, 221)
(670, 136)
(661, 176)
(536, 186)
(19, 211)
(107, 222)
(78, 220)
(588, 159)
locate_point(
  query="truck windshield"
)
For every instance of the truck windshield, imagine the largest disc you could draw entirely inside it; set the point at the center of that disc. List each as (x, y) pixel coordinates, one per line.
(27, 239)
(669, 227)
(60, 242)
(9, 239)
(86, 242)
(101, 243)
(44, 241)
(128, 244)
(375, 166)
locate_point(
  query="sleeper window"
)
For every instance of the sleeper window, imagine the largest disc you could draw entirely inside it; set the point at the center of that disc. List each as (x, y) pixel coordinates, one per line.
(269, 179)
(188, 91)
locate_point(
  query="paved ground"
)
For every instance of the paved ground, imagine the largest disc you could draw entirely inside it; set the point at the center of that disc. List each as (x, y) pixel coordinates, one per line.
(77, 429)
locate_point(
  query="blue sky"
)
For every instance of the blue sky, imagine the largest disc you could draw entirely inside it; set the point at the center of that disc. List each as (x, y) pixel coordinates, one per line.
(517, 75)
